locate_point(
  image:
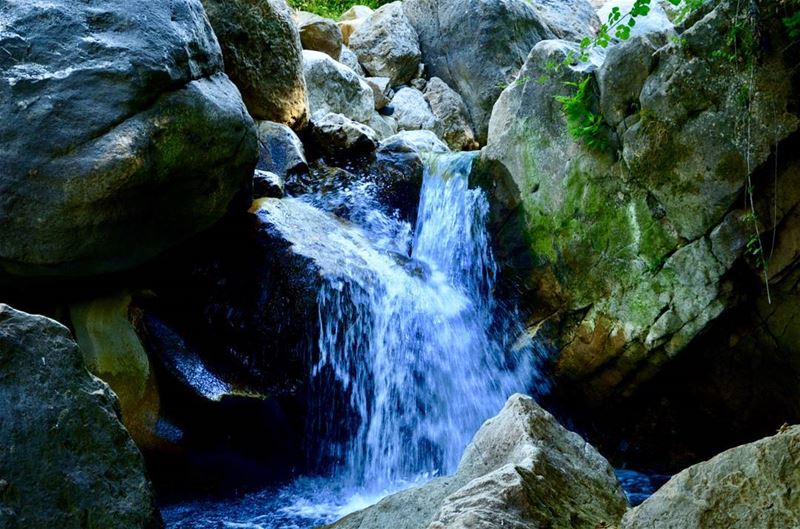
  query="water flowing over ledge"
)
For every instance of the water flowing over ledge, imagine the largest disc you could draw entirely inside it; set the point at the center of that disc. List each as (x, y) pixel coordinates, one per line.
(414, 352)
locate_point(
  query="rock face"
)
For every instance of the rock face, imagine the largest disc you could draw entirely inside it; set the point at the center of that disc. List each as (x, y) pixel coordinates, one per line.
(56, 471)
(261, 47)
(320, 34)
(630, 258)
(386, 44)
(333, 87)
(450, 111)
(522, 469)
(753, 485)
(478, 47)
(120, 134)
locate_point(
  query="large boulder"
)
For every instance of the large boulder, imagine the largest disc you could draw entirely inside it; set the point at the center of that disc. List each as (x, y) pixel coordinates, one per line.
(386, 44)
(753, 485)
(626, 259)
(120, 133)
(522, 469)
(262, 51)
(66, 460)
(333, 87)
(450, 111)
(320, 34)
(478, 47)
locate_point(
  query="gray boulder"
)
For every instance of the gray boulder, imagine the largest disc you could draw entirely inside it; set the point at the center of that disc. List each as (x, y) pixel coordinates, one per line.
(478, 47)
(320, 34)
(448, 107)
(335, 133)
(522, 469)
(753, 485)
(66, 460)
(120, 134)
(281, 151)
(262, 51)
(386, 44)
(333, 87)
(412, 111)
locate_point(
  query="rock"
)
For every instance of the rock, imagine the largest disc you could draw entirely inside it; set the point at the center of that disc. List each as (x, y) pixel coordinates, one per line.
(336, 134)
(384, 126)
(267, 184)
(419, 140)
(281, 151)
(522, 469)
(320, 34)
(261, 46)
(753, 485)
(629, 260)
(621, 77)
(412, 111)
(57, 472)
(449, 109)
(386, 44)
(349, 59)
(113, 351)
(147, 142)
(471, 48)
(380, 89)
(333, 87)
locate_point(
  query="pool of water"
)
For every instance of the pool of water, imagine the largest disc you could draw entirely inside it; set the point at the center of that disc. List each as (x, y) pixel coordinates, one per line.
(302, 504)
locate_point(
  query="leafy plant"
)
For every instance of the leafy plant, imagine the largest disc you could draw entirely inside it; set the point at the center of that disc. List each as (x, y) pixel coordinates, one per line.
(583, 123)
(792, 24)
(333, 8)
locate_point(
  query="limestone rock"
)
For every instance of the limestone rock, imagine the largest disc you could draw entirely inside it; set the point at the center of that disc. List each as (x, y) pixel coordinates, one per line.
(333, 87)
(335, 134)
(478, 47)
(121, 134)
(449, 109)
(753, 485)
(522, 469)
(66, 461)
(320, 34)
(386, 44)
(261, 46)
(412, 111)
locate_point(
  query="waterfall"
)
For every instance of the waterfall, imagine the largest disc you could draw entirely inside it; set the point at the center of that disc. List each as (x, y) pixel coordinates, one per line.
(414, 352)
(414, 359)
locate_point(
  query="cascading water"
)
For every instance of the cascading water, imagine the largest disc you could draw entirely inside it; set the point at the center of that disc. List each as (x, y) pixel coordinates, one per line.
(414, 352)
